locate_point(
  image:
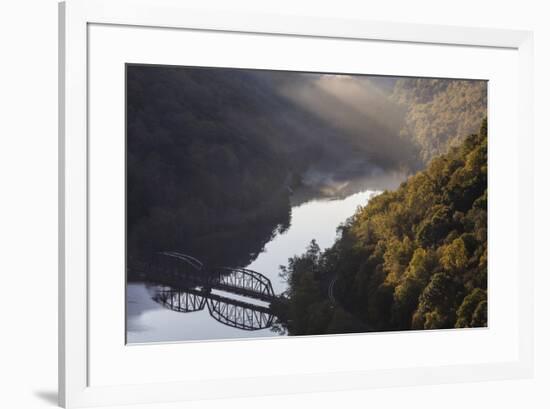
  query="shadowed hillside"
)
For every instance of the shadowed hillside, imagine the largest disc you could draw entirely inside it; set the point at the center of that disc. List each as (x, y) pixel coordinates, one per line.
(214, 154)
(215, 157)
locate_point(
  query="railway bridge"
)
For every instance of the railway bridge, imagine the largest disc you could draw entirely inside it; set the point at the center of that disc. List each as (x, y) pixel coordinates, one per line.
(190, 286)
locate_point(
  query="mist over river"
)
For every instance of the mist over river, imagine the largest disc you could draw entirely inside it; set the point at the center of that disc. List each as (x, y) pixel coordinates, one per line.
(232, 173)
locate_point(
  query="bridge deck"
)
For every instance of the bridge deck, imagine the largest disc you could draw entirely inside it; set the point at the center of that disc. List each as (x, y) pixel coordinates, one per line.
(221, 298)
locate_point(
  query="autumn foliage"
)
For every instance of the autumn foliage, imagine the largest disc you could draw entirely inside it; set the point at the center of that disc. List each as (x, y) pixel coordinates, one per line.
(414, 258)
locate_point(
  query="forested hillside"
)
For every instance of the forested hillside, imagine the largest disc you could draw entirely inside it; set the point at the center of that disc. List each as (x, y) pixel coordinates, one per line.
(440, 113)
(414, 258)
(213, 154)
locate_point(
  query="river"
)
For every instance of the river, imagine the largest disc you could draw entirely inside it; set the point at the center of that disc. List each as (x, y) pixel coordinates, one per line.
(149, 321)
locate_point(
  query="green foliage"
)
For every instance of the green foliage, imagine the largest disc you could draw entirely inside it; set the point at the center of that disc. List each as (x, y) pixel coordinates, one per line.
(473, 310)
(454, 256)
(414, 258)
(436, 305)
(214, 154)
(440, 112)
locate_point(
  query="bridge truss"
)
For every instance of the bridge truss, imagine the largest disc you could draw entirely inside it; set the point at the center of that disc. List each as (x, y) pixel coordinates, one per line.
(227, 311)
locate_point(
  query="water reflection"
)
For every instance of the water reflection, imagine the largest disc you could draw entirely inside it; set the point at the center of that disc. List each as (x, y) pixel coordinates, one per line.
(185, 309)
(232, 295)
(226, 310)
(151, 321)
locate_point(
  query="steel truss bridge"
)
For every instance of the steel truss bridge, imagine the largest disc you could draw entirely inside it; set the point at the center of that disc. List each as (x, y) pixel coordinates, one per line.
(230, 312)
(189, 287)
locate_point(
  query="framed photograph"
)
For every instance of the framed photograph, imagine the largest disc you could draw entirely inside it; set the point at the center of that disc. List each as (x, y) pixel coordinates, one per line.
(261, 204)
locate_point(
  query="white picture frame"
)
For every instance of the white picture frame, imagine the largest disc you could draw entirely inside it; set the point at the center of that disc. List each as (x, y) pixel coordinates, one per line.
(75, 19)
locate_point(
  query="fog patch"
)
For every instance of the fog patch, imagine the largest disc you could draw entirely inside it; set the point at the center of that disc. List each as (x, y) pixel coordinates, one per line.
(361, 110)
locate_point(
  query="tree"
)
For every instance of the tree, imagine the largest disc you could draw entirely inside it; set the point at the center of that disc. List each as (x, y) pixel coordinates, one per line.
(472, 311)
(454, 256)
(406, 259)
